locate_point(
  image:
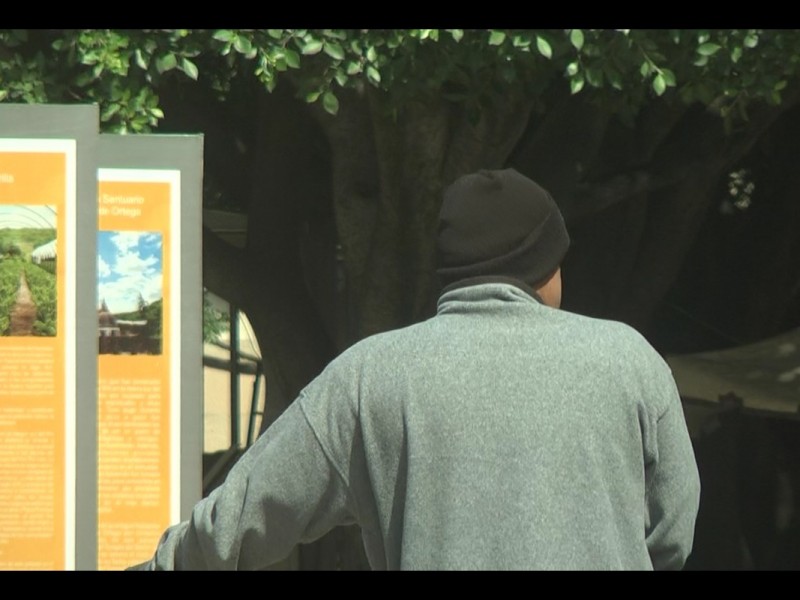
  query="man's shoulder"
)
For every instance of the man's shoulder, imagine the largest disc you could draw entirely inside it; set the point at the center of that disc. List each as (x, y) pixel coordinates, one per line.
(608, 335)
(607, 327)
(377, 346)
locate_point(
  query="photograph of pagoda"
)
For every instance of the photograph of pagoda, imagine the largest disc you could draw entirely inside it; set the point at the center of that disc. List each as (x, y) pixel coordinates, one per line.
(129, 292)
(28, 290)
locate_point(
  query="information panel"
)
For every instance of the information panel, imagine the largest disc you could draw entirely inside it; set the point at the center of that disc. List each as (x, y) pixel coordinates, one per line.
(41, 459)
(141, 316)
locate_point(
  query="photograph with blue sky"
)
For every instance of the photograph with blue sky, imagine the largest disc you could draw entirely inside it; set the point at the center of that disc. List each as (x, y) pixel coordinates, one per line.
(128, 264)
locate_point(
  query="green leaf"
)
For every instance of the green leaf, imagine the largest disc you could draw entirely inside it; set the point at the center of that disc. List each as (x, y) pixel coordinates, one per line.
(496, 38)
(341, 78)
(292, 58)
(701, 61)
(781, 85)
(165, 63)
(109, 111)
(312, 96)
(521, 41)
(751, 40)
(576, 39)
(352, 68)
(312, 47)
(157, 112)
(189, 68)
(275, 33)
(457, 34)
(736, 54)
(594, 77)
(659, 85)
(372, 54)
(373, 75)
(543, 47)
(139, 57)
(645, 69)
(576, 84)
(330, 103)
(335, 34)
(669, 77)
(224, 35)
(573, 68)
(708, 49)
(242, 44)
(334, 50)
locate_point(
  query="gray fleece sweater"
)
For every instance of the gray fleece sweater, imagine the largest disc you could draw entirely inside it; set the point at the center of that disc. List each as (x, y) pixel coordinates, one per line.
(499, 434)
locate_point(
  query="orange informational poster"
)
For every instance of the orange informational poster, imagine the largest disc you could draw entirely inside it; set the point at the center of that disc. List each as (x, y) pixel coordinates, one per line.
(138, 299)
(37, 356)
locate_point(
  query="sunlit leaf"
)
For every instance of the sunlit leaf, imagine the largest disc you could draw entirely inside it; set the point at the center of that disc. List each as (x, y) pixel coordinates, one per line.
(576, 84)
(224, 35)
(341, 78)
(292, 58)
(708, 49)
(669, 77)
(659, 85)
(140, 61)
(334, 50)
(242, 44)
(496, 38)
(165, 63)
(312, 47)
(576, 38)
(373, 74)
(543, 47)
(189, 68)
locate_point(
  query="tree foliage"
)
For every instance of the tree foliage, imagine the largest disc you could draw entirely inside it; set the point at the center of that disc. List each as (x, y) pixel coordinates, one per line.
(122, 69)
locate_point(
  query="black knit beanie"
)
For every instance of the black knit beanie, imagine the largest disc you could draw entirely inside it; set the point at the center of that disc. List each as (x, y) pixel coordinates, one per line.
(499, 223)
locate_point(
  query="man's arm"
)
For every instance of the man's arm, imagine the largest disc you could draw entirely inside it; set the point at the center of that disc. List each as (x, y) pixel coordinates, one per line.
(283, 491)
(673, 489)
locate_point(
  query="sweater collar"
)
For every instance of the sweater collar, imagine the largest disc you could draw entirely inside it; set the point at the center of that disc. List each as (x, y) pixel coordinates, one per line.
(485, 287)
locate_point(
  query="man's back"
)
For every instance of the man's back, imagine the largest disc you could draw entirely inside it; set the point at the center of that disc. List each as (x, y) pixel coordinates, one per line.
(502, 433)
(507, 434)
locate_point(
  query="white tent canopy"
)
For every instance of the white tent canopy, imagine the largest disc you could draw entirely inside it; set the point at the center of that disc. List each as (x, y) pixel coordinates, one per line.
(765, 375)
(44, 252)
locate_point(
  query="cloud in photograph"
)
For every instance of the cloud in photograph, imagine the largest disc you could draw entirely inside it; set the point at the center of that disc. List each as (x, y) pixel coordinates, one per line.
(128, 264)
